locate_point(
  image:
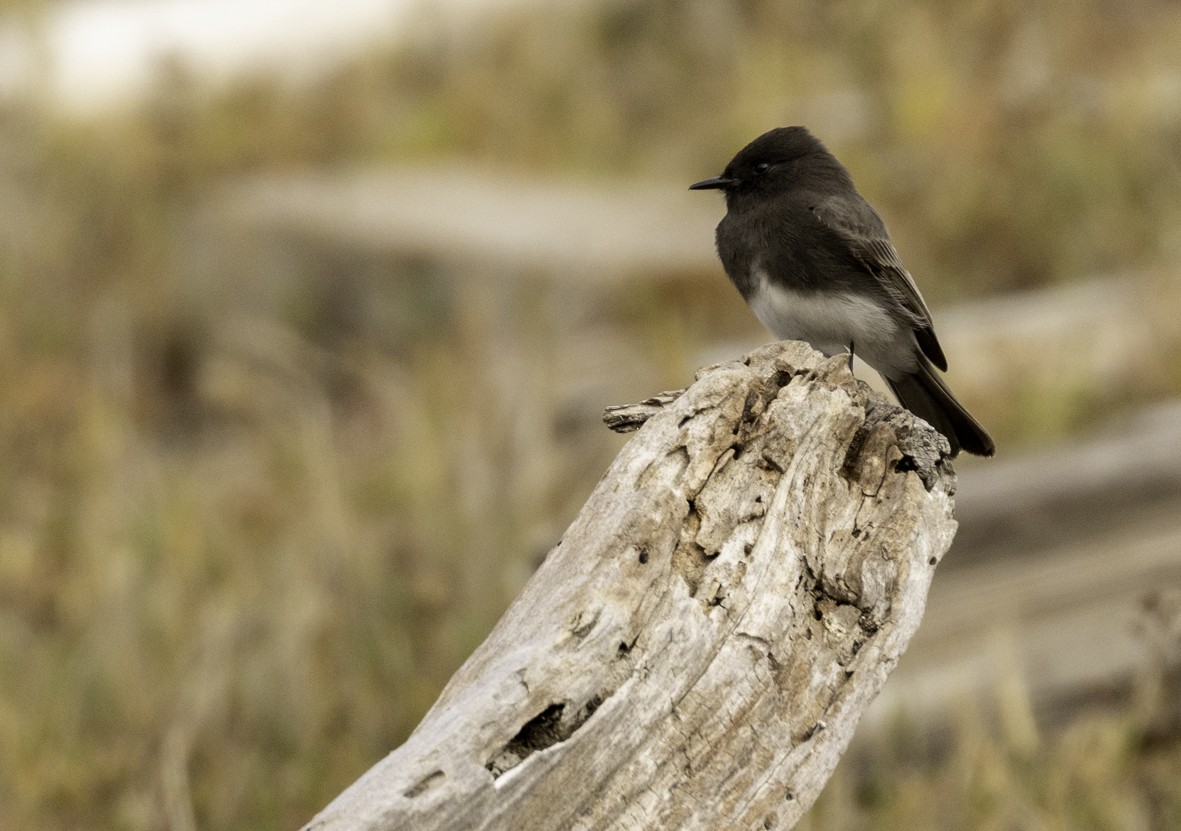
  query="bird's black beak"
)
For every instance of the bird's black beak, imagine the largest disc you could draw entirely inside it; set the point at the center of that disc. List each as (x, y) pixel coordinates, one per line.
(716, 183)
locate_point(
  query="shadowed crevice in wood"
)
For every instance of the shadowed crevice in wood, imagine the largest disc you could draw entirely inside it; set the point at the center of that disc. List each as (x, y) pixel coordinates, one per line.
(424, 784)
(549, 727)
(689, 559)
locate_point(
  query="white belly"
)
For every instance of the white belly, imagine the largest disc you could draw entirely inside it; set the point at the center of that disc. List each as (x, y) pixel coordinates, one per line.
(831, 322)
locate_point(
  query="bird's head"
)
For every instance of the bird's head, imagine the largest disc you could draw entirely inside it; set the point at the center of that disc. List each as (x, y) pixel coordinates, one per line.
(774, 162)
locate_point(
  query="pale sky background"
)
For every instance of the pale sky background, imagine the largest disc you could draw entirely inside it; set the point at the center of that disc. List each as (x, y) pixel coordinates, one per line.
(90, 54)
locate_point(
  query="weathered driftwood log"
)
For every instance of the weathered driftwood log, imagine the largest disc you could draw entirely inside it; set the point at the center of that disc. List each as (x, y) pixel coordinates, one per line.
(696, 650)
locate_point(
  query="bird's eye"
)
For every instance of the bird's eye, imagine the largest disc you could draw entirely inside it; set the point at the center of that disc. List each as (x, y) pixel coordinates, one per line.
(761, 168)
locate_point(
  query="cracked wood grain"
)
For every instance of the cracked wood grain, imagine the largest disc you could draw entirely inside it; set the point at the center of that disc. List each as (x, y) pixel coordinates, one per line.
(697, 649)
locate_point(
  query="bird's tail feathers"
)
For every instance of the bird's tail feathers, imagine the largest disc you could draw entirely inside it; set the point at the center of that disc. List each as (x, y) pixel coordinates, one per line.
(924, 393)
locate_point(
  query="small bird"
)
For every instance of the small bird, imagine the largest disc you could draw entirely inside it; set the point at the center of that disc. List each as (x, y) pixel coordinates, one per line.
(813, 260)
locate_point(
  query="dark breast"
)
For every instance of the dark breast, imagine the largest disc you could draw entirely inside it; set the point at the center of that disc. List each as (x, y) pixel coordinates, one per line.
(736, 251)
(787, 242)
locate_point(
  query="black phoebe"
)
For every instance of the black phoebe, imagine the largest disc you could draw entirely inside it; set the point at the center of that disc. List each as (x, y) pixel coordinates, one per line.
(815, 263)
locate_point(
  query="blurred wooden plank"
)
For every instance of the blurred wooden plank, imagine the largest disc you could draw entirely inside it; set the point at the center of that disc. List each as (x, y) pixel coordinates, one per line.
(1047, 577)
(588, 239)
(1014, 507)
(492, 221)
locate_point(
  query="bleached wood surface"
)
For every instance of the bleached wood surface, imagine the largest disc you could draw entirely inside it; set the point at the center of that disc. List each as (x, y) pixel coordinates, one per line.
(696, 651)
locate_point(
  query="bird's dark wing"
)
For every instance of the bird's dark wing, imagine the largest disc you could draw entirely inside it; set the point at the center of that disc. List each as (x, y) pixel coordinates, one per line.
(854, 221)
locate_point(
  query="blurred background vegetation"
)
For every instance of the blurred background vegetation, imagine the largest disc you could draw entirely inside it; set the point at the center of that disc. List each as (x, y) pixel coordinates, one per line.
(243, 545)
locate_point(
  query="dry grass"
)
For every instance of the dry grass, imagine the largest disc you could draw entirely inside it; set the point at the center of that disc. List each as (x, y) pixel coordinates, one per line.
(242, 548)
(1114, 763)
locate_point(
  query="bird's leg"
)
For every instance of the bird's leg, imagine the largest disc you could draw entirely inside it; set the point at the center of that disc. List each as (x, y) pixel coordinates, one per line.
(850, 356)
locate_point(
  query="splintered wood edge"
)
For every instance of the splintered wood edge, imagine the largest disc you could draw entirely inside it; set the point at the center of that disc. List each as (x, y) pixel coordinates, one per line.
(626, 418)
